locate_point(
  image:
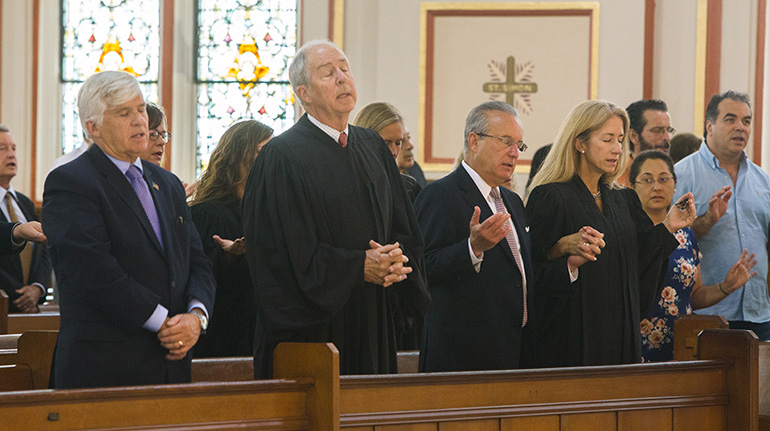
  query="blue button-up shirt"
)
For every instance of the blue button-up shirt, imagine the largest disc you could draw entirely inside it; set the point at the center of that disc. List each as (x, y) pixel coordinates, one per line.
(744, 225)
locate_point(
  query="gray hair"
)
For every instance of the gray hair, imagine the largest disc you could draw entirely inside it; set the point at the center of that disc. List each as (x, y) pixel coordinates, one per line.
(478, 119)
(4, 129)
(298, 73)
(102, 91)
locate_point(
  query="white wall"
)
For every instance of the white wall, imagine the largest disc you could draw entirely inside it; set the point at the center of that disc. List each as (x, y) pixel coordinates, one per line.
(16, 84)
(382, 41)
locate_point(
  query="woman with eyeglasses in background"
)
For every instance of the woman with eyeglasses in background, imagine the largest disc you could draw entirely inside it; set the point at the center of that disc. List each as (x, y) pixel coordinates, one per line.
(652, 177)
(581, 218)
(159, 136)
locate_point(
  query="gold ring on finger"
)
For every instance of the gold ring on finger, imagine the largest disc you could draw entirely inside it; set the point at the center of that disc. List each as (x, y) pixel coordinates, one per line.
(181, 344)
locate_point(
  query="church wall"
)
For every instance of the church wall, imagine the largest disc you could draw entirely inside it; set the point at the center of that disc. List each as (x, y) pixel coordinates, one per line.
(16, 82)
(382, 40)
(387, 67)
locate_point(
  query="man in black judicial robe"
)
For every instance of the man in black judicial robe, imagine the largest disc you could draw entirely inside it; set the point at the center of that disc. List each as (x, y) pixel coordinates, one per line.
(330, 233)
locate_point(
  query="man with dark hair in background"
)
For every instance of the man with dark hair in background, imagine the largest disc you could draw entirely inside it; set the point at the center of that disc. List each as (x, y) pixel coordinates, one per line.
(649, 129)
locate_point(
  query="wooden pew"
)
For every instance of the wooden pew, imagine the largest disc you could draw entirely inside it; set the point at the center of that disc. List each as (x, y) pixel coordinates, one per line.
(241, 368)
(714, 393)
(34, 353)
(764, 386)
(300, 398)
(22, 322)
(686, 330)
(9, 341)
(233, 369)
(717, 392)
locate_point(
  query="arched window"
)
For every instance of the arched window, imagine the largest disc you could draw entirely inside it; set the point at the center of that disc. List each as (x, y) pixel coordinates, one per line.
(99, 35)
(244, 48)
(242, 52)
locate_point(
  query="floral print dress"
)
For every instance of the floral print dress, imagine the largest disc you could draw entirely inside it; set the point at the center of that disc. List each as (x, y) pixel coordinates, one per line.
(658, 326)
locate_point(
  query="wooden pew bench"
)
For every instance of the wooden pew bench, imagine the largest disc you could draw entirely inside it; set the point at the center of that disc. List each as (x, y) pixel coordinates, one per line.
(22, 322)
(714, 393)
(717, 392)
(241, 368)
(300, 398)
(34, 354)
(686, 330)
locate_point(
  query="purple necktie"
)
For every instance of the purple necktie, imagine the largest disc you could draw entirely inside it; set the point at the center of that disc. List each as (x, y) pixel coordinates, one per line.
(143, 193)
(513, 244)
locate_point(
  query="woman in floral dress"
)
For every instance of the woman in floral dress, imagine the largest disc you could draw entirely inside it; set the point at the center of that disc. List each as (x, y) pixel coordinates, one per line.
(652, 177)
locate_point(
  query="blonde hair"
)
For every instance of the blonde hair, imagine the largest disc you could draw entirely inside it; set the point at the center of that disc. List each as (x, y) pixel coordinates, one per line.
(562, 161)
(378, 115)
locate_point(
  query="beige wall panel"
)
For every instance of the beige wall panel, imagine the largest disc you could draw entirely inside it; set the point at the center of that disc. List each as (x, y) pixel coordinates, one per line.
(674, 64)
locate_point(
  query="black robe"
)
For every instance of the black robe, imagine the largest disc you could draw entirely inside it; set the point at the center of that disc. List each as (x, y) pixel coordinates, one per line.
(594, 321)
(234, 318)
(309, 210)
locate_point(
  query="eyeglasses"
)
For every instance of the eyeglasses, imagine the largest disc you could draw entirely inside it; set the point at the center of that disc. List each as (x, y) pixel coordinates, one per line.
(649, 181)
(507, 141)
(164, 136)
(661, 130)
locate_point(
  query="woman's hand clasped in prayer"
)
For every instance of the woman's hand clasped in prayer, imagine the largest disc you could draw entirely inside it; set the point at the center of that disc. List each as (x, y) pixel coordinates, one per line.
(582, 246)
(681, 214)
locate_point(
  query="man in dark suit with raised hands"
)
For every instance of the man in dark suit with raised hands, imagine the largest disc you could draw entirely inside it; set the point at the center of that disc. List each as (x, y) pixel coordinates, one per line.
(477, 251)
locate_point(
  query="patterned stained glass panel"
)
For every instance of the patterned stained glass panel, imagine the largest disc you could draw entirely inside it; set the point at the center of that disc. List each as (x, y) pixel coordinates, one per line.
(242, 69)
(102, 35)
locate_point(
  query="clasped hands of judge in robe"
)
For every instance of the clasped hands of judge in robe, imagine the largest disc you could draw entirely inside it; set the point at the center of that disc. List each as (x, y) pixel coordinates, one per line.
(385, 264)
(587, 243)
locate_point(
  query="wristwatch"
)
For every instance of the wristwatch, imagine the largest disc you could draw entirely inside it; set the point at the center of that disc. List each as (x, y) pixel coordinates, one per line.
(202, 317)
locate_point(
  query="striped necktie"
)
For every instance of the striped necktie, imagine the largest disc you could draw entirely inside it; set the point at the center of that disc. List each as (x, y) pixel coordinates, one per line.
(143, 192)
(514, 246)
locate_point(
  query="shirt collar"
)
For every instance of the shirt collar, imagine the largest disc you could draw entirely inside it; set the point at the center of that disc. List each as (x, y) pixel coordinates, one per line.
(711, 159)
(124, 165)
(482, 185)
(9, 189)
(331, 131)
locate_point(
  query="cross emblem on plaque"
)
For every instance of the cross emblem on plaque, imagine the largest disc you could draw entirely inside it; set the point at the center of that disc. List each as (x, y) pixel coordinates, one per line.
(510, 87)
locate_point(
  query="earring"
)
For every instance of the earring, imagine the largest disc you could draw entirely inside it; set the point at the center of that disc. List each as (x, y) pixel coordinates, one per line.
(582, 151)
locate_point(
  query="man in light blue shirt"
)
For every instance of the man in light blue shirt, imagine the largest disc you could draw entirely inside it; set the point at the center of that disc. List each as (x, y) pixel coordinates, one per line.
(734, 218)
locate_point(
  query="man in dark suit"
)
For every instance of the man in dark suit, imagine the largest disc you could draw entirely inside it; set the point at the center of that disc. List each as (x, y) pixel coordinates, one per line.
(25, 276)
(134, 282)
(477, 251)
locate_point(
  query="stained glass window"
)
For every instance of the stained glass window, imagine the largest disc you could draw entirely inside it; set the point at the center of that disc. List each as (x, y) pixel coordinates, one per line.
(244, 50)
(102, 35)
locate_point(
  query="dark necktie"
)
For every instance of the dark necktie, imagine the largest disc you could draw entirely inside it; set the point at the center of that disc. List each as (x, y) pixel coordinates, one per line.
(514, 246)
(26, 253)
(143, 192)
(343, 139)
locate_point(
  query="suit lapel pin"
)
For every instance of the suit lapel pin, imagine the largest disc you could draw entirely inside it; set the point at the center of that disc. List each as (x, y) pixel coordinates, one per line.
(155, 186)
(526, 229)
(179, 220)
